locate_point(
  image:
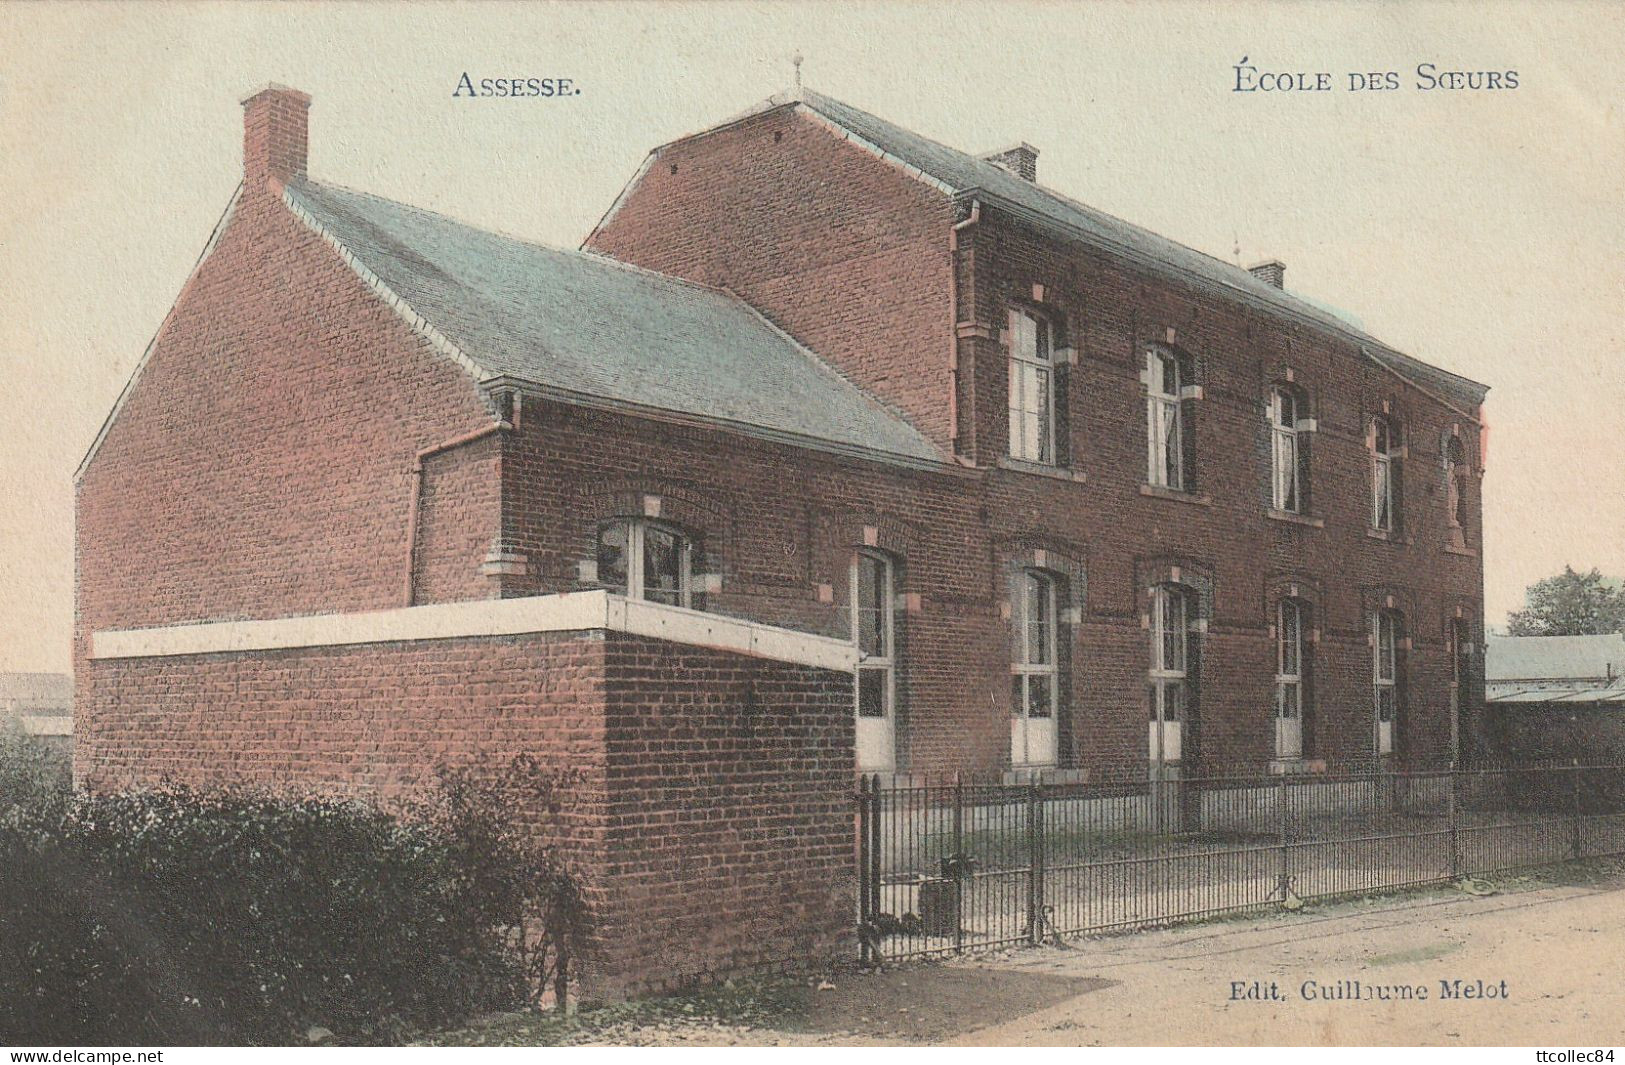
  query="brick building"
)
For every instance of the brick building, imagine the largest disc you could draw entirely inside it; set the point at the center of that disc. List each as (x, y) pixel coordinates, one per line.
(1060, 476)
(860, 450)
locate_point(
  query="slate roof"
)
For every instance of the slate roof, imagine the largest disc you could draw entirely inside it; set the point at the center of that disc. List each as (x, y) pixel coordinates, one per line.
(586, 327)
(965, 175)
(1551, 669)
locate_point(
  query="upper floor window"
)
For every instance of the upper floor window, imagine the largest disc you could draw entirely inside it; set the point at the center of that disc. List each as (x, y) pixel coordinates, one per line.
(644, 559)
(1032, 387)
(1385, 473)
(1165, 420)
(1456, 483)
(1288, 468)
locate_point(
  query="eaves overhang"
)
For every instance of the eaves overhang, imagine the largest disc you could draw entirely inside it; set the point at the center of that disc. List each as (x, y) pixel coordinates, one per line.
(1374, 351)
(543, 390)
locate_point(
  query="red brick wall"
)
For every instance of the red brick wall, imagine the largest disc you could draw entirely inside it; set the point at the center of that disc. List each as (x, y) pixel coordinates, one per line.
(1110, 312)
(730, 812)
(776, 523)
(709, 818)
(843, 251)
(740, 205)
(262, 464)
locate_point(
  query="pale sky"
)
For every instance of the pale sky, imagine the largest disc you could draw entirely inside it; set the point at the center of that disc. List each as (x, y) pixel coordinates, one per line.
(1481, 231)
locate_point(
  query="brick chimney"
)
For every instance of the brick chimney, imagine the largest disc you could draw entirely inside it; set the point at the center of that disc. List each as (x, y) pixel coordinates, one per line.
(1271, 272)
(1022, 161)
(276, 136)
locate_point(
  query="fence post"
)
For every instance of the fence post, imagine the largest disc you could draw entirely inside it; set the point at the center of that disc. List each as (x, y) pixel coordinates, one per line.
(1035, 865)
(1455, 826)
(1284, 885)
(1574, 809)
(865, 913)
(959, 864)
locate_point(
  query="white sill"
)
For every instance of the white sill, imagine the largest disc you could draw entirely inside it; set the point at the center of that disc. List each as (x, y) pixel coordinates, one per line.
(1465, 552)
(1295, 519)
(1041, 469)
(1152, 491)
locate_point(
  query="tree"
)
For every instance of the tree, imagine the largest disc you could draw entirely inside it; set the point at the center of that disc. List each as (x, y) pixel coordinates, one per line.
(1570, 604)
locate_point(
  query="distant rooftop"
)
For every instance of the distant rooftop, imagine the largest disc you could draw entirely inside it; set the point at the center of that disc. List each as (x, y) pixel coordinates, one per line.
(31, 689)
(1549, 669)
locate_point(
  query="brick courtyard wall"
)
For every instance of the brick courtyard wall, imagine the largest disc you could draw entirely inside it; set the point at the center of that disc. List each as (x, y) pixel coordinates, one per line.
(708, 809)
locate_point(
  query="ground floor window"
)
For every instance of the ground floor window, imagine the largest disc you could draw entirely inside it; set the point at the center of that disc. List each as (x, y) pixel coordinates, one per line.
(644, 559)
(874, 630)
(1034, 673)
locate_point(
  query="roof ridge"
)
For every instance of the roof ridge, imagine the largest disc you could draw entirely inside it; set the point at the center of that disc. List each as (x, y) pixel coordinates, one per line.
(1282, 301)
(415, 209)
(414, 318)
(528, 241)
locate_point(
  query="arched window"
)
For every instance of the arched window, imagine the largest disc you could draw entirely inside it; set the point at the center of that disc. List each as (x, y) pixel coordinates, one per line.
(1170, 635)
(1456, 473)
(644, 559)
(1385, 472)
(1386, 628)
(1034, 674)
(1032, 387)
(874, 630)
(1288, 468)
(1289, 679)
(1165, 420)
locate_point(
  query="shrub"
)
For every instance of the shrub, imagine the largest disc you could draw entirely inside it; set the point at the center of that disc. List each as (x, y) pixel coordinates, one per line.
(178, 916)
(36, 779)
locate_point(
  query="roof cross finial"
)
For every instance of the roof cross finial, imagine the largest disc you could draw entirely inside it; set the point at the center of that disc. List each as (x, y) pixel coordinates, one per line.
(796, 61)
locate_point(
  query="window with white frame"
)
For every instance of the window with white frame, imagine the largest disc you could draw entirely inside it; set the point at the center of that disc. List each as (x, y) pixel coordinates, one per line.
(1289, 679)
(1164, 417)
(1385, 675)
(1033, 678)
(1032, 387)
(1169, 646)
(1287, 466)
(874, 631)
(1384, 475)
(644, 559)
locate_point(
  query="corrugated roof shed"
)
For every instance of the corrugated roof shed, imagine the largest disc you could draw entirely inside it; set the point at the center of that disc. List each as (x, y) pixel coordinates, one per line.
(1554, 657)
(36, 689)
(1555, 669)
(583, 326)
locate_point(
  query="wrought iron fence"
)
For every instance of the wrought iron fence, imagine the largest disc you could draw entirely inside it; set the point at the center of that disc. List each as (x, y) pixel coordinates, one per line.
(945, 867)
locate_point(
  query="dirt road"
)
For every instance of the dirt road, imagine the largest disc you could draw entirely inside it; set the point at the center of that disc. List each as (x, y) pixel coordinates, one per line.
(1535, 967)
(1542, 967)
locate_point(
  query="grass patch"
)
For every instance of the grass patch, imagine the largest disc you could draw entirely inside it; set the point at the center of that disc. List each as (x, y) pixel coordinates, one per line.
(1415, 954)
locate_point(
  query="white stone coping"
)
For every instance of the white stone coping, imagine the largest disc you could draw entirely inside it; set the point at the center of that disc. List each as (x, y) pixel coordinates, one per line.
(567, 612)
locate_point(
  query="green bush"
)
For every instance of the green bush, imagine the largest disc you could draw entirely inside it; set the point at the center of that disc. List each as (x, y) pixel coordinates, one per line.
(36, 779)
(182, 917)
